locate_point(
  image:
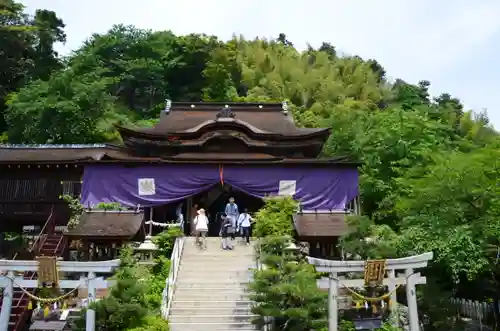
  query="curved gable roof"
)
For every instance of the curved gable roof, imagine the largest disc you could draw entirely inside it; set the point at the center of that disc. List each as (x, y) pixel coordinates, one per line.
(263, 118)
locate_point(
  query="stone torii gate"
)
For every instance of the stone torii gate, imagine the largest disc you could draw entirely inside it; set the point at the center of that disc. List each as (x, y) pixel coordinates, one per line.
(10, 270)
(373, 268)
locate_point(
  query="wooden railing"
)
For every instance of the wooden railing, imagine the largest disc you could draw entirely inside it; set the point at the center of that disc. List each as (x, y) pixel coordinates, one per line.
(47, 227)
(61, 245)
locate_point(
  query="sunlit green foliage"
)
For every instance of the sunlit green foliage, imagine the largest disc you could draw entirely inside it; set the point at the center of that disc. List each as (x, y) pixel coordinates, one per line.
(134, 302)
(276, 218)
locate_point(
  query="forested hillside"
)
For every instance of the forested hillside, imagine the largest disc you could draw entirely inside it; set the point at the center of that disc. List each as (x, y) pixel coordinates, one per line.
(430, 173)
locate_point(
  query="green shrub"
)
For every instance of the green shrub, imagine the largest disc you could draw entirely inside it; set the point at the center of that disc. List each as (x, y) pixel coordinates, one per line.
(134, 302)
(153, 323)
(276, 217)
(166, 240)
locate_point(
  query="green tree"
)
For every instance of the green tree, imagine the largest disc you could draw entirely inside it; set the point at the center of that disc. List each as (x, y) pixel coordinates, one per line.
(63, 110)
(458, 200)
(286, 290)
(276, 217)
(27, 48)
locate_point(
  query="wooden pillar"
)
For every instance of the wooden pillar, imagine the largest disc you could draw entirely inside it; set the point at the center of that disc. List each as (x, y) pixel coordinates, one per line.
(411, 297)
(90, 317)
(8, 292)
(333, 303)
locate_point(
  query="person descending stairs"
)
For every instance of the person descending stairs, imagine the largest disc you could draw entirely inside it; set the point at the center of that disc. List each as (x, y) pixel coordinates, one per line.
(211, 288)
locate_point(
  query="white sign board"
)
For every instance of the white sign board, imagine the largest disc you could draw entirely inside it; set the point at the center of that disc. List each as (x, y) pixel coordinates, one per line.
(146, 186)
(287, 187)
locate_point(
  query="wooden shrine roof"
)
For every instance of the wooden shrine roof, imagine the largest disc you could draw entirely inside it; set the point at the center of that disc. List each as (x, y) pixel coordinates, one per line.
(226, 156)
(320, 224)
(116, 224)
(259, 118)
(102, 153)
(59, 153)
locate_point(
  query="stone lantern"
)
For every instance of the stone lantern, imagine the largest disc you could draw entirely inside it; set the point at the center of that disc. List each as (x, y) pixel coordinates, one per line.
(146, 251)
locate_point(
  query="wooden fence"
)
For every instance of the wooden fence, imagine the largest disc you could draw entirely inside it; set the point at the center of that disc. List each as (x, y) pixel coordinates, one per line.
(475, 310)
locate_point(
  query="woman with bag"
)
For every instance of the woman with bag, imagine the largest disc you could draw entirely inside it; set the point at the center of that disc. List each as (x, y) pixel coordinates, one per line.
(201, 225)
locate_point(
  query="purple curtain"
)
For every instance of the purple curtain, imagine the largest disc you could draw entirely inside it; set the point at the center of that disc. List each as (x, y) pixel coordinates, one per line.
(115, 183)
(315, 188)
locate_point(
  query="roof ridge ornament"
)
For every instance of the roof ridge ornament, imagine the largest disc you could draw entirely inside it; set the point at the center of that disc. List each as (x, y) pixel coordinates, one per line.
(225, 112)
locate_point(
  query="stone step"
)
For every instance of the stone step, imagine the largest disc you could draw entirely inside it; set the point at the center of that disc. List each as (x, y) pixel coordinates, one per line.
(221, 280)
(216, 277)
(210, 310)
(222, 263)
(211, 326)
(210, 271)
(204, 282)
(209, 286)
(217, 240)
(216, 248)
(212, 303)
(214, 268)
(216, 257)
(228, 318)
(218, 253)
(209, 290)
(216, 274)
(210, 295)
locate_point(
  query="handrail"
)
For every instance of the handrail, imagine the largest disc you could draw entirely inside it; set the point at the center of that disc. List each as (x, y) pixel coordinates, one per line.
(40, 234)
(168, 291)
(62, 241)
(22, 317)
(49, 219)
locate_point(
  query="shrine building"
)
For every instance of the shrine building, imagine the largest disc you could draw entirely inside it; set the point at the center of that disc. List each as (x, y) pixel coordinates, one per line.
(198, 154)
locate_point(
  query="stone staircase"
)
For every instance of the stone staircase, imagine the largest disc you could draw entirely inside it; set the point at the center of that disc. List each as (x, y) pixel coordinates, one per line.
(210, 292)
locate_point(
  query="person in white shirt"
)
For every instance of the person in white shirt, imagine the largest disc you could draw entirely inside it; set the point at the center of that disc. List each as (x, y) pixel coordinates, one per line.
(244, 224)
(201, 225)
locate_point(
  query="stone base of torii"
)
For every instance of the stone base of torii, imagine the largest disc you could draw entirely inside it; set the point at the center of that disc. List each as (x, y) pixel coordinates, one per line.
(10, 269)
(409, 279)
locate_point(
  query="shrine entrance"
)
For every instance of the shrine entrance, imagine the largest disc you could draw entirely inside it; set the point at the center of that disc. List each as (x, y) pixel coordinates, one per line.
(375, 291)
(214, 202)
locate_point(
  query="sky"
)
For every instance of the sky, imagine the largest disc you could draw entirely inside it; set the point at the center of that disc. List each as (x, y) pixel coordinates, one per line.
(451, 43)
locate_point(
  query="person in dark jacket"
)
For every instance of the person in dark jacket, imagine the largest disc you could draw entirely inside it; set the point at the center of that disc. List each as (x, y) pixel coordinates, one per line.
(226, 225)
